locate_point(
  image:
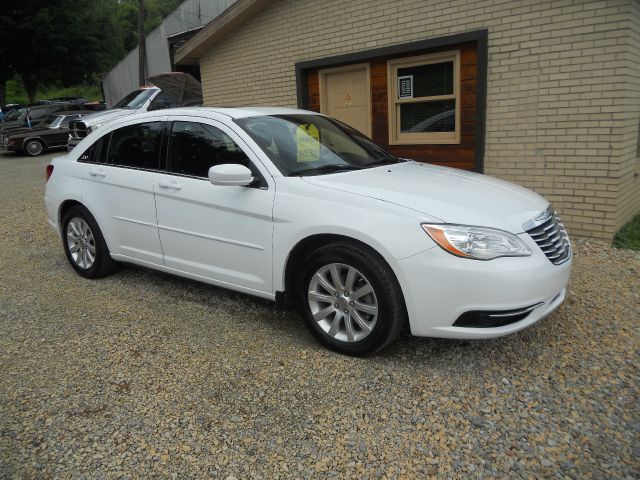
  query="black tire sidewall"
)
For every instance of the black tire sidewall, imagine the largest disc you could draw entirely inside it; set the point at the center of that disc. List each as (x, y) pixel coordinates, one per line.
(26, 149)
(383, 285)
(103, 258)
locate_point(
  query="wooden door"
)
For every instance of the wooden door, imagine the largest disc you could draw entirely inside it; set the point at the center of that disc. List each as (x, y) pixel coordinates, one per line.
(345, 94)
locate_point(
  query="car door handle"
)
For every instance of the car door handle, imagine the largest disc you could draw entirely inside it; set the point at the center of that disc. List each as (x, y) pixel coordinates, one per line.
(96, 172)
(172, 185)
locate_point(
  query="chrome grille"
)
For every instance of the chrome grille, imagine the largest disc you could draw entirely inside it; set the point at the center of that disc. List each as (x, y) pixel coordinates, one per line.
(550, 235)
(78, 129)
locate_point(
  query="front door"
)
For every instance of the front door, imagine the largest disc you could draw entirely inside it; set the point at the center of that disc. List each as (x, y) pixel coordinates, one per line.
(345, 94)
(219, 232)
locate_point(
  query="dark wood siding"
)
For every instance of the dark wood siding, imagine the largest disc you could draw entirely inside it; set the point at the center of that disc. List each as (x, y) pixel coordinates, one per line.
(460, 155)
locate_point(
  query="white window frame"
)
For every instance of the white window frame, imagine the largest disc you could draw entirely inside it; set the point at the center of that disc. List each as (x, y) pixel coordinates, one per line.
(422, 138)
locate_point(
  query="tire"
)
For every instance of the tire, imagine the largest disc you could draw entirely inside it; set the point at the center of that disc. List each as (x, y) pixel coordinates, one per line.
(84, 244)
(381, 311)
(33, 148)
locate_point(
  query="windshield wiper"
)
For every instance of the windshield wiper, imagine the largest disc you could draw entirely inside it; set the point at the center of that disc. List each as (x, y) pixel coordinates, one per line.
(324, 169)
(384, 161)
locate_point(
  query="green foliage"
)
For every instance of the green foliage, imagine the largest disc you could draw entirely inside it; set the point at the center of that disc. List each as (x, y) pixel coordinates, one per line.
(629, 235)
(68, 42)
(155, 12)
(17, 94)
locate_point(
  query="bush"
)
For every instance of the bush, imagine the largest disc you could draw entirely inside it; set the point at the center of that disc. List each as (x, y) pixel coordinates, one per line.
(15, 92)
(629, 235)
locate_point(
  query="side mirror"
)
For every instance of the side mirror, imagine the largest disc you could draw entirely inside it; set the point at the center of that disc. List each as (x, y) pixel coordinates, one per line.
(230, 174)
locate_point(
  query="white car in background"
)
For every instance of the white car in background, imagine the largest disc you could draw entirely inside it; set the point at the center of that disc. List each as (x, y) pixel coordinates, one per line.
(293, 206)
(166, 90)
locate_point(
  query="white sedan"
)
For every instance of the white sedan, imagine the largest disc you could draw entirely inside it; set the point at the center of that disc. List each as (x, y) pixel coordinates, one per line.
(299, 208)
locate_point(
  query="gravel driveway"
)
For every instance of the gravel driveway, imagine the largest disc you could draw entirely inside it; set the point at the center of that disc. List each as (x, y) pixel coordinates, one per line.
(142, 374)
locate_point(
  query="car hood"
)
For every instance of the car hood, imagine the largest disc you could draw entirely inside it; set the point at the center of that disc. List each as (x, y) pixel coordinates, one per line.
(105, 116)
(24, 131)
(453, 196)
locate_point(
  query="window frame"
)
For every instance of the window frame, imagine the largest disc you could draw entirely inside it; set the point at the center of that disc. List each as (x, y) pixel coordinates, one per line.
(396, 137)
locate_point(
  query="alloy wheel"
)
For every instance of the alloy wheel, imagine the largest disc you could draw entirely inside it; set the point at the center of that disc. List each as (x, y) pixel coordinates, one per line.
(81, 243)
(343, 302)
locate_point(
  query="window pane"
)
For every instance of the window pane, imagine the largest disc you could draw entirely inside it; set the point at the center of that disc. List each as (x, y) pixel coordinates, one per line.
(196, 147)
(437, 116)
(136, 145)
(67, 119)
(430, 80)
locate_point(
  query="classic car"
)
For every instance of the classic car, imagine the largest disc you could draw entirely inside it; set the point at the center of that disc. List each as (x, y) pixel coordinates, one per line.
(51, 133)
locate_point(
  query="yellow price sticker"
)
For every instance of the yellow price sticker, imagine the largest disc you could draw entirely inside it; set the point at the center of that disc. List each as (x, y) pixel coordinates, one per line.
(308, 141)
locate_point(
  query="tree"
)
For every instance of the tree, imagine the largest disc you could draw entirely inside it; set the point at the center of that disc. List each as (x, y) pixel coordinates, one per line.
(62, 42)
(8, 28)
(69, 42)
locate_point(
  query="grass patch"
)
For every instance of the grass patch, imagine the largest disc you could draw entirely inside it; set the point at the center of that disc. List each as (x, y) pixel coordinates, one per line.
(629, 235)
(15, 92)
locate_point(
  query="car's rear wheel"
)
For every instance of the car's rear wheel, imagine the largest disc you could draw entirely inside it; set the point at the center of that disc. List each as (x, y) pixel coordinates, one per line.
(351, 299)
(84, 244)
(33, 148)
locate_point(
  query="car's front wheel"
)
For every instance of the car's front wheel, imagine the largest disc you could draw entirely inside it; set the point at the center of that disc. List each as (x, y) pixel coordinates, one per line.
(33, 148)
(351, 299)
(84, 244)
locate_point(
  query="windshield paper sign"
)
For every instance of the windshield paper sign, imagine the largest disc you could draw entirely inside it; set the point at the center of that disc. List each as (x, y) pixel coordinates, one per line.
(308, 141)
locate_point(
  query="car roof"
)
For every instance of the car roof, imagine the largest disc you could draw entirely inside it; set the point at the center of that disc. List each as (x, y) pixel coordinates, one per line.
(233, 112)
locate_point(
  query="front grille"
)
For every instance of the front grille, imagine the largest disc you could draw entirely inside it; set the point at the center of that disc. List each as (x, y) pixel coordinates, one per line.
(550, 235)
(78, 129)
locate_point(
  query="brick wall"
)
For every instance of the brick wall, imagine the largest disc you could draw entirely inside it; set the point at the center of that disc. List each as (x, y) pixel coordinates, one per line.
(629, 143)
(562, 99)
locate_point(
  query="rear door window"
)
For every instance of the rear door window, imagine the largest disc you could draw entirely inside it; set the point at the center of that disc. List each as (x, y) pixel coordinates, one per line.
(96, 153)
(136, 146)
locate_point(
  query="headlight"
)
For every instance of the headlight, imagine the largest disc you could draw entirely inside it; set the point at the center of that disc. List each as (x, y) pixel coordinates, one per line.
(479, 243)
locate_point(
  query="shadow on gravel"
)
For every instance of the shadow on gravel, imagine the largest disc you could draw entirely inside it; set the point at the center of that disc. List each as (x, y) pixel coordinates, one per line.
(264, 316)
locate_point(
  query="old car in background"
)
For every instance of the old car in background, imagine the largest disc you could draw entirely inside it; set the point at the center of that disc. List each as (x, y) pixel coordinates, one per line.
(167, 90)
(32, 115)
(4, 111)
(51, 133)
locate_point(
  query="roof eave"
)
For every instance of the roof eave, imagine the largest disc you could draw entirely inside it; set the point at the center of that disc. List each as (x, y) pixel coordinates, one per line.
(218, 28)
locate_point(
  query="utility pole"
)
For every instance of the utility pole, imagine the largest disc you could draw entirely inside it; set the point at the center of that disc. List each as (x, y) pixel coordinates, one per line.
(141, 43)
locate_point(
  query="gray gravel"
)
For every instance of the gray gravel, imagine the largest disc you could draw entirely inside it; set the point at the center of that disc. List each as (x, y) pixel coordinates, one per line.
(143, 374)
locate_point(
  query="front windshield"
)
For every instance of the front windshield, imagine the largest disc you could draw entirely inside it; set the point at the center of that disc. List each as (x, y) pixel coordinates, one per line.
(135, 99)
(313, 144)
(14, 114)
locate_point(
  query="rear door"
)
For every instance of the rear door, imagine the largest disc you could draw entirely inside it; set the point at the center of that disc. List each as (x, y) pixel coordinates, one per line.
(222, 233)
(119, 173)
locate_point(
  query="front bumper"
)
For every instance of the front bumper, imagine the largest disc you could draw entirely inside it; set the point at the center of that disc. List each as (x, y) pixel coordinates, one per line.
(439, 288)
